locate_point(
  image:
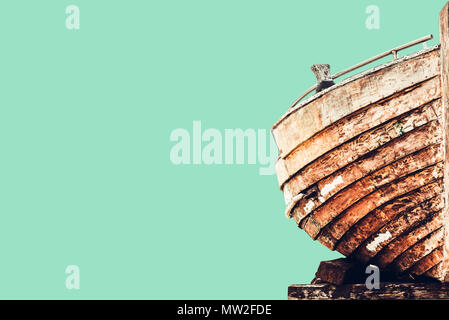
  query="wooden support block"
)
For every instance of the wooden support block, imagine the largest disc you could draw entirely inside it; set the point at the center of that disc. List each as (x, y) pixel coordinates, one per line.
(338, 271)
(387, 291)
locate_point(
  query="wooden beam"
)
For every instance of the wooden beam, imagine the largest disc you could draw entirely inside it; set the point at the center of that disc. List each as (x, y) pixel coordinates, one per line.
(339, 271)
(444, 56)
(387, 291)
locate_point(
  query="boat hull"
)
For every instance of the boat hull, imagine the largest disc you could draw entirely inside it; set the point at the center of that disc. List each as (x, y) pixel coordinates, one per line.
(362, 165)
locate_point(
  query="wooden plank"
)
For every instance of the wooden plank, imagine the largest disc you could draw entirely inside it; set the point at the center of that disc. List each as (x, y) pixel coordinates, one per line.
(409, 143)
(419, 250)
(336, 223)
(444, 56)
(387, 291)
(398, 206)
(355, 124)
(437, 272)
(338, 271)
(358, 181)
(380, 227)
(402, 244)
(428, 262)
(290, 131)
(349, 196)
(361, 147)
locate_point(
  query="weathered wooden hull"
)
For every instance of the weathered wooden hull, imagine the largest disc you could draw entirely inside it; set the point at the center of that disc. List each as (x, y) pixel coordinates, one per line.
(363, 164)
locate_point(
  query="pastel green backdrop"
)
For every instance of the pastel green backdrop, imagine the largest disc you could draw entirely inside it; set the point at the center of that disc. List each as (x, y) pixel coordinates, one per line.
(85, 119)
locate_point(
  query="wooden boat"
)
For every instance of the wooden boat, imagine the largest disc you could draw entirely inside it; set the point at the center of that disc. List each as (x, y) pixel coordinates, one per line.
(364, 163)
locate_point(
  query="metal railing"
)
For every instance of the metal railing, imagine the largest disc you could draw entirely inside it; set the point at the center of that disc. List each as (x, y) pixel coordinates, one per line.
(394, 52)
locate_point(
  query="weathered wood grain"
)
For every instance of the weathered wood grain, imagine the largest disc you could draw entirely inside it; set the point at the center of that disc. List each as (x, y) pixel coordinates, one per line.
(387, 291)
(381, 226)
(401, 244)
(437, 272)
(337, 271)
(409, 143)
(355, 124)
(428, 262)
(444, 56)
(361, 147)
(291, 130)
(336, 221)
(355, 178)
(419, 250)
(405, 145)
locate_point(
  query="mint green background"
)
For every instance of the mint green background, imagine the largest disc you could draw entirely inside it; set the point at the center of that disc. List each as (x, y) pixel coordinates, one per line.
(85, 120)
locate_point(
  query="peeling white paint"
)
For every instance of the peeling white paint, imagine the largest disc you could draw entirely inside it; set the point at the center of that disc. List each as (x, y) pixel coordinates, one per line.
(287, 195)
(321, 199)
(291, 205)
(378, 240)
(309, 206)
(331, 186)
(435, 174)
